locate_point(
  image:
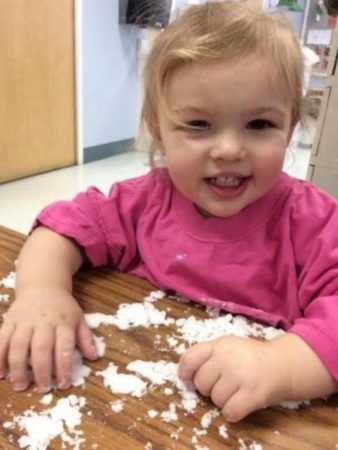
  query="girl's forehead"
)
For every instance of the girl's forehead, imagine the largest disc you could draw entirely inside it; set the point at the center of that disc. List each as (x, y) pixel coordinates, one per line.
(240, 85)
(206, 78)
(244, 68)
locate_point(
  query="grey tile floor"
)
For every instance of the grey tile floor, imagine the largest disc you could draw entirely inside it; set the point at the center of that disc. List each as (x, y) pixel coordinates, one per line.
(21, 201)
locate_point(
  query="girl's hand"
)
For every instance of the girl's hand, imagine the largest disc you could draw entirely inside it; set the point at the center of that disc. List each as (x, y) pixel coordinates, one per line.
(243, 375)
(43, 325)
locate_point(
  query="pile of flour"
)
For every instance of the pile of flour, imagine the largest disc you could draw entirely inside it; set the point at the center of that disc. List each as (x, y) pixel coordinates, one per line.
(9, 281)
(40, 428)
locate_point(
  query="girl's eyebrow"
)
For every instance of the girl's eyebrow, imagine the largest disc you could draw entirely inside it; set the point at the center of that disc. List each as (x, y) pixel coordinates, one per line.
(193, 109)
(263, 110)
(267, 109)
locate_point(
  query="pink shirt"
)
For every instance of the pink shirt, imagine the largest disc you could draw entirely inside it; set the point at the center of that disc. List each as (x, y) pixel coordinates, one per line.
(276, 261)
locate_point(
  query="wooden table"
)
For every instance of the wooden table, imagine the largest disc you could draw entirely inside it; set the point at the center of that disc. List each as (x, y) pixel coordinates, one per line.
(309, 427)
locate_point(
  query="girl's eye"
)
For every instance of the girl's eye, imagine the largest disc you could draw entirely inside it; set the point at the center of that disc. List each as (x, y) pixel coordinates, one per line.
(199, 125)
(260, 124)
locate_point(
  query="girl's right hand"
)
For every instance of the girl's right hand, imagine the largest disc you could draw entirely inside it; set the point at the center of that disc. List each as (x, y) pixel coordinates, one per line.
(42, 328)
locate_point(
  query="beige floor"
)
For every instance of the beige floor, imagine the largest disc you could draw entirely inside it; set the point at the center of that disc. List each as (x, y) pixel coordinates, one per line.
(22, 200)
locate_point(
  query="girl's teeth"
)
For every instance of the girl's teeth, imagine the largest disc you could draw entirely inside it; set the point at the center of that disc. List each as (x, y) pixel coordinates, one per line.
(226, 181)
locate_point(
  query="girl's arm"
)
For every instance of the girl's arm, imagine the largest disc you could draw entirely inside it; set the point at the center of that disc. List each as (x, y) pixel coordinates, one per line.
(44, 324)
(47, 258)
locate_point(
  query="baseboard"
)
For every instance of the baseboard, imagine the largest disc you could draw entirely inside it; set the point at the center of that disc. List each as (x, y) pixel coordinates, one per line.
(102, 151)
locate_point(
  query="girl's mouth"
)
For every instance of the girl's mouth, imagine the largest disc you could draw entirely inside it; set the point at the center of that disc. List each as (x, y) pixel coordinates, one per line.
(227, 187)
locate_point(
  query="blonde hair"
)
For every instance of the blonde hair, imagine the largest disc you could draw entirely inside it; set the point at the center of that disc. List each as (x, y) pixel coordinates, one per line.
(221, 31)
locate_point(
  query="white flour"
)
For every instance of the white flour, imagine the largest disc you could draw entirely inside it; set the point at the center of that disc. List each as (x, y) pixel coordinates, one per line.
(40, 428)
(252, 446)
(161, 372)
(122, 383)
(194, 330)
(100, 345)
(170, 415)
(223, 431)
(4, 298)
(117, 406)
(9, 281)
(289, 404)
(158, 372)
(130, 316)
(79, 370)
(46, 399)
(208, 417)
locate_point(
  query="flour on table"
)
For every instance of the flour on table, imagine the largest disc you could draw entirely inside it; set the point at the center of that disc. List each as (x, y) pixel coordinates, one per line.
(41, 428)
(199, 432)
(194, 330)
(9, 281)
(223, 431)
(160, 372)
(290, 404)
(208, 417)
(175, 434)
(168, 391)
(172, 342)
(194, 439)
(46, 399)
(170, 415)
(100, 345)
(4, 298)
(252, 446)
(117, 406)
(94, 320)
(122, 383)
(130, 315)
(154, 296)
(79, 370)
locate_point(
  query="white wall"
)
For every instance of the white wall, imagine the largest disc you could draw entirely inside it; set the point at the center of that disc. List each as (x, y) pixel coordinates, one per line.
(110, 69)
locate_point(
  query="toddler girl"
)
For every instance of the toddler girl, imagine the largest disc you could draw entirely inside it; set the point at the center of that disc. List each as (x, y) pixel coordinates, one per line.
(219, 223)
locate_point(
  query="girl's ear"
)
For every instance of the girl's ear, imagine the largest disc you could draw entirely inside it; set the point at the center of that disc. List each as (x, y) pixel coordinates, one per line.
(154, 130)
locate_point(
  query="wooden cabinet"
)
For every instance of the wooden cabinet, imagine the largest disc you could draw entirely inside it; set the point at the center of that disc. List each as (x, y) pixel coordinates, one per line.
(37, 87)
(323, 169)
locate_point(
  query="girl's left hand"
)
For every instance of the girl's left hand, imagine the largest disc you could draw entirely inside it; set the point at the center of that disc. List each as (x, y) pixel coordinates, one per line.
(242, 375)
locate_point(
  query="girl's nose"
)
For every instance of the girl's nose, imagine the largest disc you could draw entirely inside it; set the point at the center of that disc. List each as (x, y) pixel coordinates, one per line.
(228, 146)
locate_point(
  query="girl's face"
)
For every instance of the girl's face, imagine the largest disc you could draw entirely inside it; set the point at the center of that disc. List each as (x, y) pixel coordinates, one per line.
(242, 126)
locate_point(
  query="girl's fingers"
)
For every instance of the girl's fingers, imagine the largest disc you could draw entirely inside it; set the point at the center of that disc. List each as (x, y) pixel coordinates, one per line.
(207, 376)
(223, 390)
(18, 354)
(6, 333)
(85, 341)
(42, 357)
(64, 349)
(192, 360)
(242, 403)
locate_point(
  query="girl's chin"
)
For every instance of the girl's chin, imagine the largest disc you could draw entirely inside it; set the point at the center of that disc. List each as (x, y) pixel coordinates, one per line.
(221, 213)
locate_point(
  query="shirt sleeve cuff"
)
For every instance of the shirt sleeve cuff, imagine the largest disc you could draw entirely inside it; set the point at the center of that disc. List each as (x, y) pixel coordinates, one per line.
(321, 344)
(96, 253)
